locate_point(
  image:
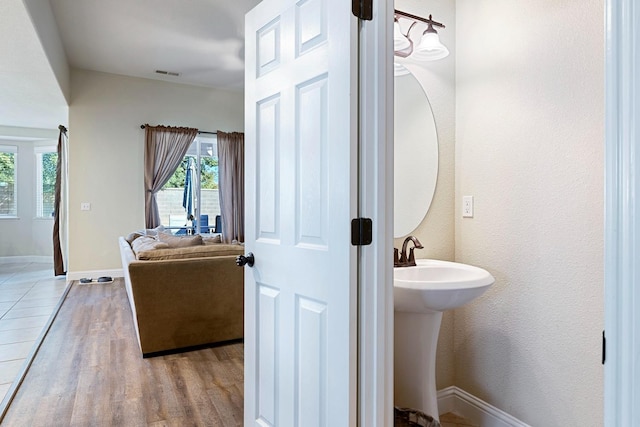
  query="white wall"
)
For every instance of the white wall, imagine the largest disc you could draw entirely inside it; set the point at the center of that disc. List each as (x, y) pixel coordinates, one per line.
(26, 235)
(529, 148)
(436, 232)
(106, 152)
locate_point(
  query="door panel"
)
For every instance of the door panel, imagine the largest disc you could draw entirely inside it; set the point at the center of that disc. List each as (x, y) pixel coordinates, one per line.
(311, 163)
(268, 168)
(268, 353)
(311, 354)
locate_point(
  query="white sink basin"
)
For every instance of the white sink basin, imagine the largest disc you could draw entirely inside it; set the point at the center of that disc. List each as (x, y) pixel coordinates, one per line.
(434, 285)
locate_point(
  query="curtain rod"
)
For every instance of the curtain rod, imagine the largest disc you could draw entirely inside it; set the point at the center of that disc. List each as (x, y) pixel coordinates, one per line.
(200, 131)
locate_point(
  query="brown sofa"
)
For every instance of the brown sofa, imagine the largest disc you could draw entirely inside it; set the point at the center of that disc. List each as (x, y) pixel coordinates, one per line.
(184, 297)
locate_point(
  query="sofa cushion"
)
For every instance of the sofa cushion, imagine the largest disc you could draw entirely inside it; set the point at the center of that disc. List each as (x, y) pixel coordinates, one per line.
(180, 241)
(201, 251)
(147, 243)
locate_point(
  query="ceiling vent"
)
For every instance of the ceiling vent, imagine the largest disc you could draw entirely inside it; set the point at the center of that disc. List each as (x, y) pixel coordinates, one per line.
(168, 73)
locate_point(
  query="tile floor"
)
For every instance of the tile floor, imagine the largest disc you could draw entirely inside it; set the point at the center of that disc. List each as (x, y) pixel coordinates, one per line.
(28, 294)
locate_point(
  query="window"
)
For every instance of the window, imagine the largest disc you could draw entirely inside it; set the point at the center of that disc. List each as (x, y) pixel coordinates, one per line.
(8, 184)
(46, 163)
(201, 161)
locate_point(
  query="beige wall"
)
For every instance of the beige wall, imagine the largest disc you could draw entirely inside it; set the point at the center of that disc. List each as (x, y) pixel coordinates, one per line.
(26, 235)
(106, 152)
(46, 27)
(529, 148)
(436, 232)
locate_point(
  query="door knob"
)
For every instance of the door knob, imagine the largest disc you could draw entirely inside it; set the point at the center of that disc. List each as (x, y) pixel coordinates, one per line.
(241, 260)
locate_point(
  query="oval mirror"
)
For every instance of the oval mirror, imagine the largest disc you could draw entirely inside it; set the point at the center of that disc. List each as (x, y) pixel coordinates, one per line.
(415, 155)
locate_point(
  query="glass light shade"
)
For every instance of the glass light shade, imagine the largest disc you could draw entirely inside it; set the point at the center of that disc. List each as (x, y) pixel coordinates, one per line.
(400, 42)
(430, 48)
(399, 70)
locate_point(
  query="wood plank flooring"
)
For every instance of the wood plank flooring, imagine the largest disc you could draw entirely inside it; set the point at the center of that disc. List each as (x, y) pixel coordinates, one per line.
(89, 372)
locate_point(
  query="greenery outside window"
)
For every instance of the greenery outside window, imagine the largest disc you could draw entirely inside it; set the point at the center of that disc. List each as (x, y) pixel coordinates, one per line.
(8, 181)
(203, 153)
(46, 163)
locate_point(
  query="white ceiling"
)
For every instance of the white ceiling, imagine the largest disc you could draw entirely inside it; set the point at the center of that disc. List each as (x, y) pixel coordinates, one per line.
(203, 40)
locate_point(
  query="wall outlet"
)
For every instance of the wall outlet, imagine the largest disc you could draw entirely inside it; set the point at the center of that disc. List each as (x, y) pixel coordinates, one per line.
(85, 206)
(467, 206)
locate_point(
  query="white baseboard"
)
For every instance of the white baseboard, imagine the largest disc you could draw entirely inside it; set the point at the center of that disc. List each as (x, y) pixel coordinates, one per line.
(454, 399)
(77, 275)
(27, 258)
(71, 275)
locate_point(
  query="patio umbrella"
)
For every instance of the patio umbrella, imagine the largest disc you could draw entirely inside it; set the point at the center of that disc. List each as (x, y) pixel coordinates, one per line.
(188, 197)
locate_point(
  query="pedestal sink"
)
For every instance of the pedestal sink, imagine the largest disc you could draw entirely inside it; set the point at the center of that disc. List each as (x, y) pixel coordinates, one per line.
(421, 294)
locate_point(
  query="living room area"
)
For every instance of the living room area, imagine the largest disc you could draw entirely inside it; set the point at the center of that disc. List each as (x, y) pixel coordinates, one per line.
(87, 89)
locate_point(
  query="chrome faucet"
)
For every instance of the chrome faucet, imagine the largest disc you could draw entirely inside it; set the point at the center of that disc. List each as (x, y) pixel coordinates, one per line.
(402, 260)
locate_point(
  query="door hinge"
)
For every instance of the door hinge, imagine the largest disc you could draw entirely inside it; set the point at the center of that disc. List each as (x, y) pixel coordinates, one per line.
(604, 348)
(363, 9)
(361, 231)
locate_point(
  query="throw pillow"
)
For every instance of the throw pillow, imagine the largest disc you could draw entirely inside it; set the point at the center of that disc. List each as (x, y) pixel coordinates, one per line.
(147, 243)
(154, 231)
(212, 240)
(133, 236)
(180, 241)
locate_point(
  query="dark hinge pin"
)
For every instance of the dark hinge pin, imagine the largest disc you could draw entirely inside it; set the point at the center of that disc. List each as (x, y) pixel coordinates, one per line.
(361, 231)
(363, 9)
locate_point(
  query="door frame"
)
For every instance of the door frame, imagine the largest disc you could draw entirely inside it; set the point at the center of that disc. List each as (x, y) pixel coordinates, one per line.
(375, 270)
(622, 222)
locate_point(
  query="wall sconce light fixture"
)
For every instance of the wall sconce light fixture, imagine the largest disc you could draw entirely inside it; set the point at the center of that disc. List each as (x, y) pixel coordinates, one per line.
(428, 48)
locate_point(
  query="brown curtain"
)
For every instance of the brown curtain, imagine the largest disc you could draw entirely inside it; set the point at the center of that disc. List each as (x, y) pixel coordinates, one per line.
(231, 185)
(164, 149)
(60, 207)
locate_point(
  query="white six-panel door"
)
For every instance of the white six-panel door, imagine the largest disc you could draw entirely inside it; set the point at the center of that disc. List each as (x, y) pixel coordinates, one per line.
(301, 194)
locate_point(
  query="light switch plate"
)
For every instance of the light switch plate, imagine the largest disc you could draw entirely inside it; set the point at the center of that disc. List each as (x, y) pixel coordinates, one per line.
(467, 206)
(85, 206)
